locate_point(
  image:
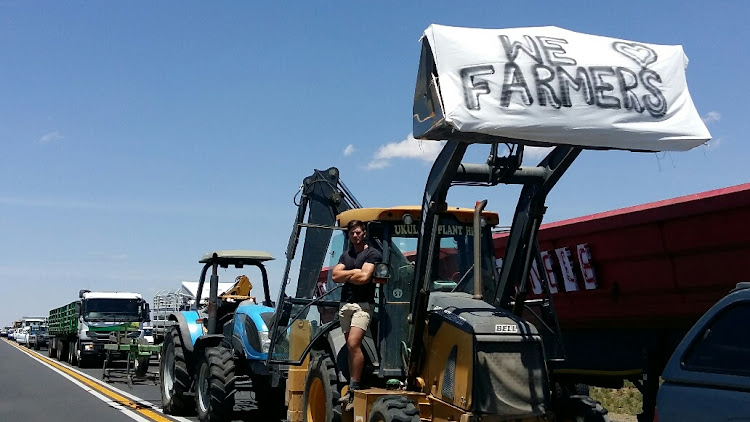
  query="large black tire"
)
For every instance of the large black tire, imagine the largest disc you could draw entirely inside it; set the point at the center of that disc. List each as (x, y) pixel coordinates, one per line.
(582, 389)
(51, 351)
(563, 390)
(73, 355)
(581, 409)
(322, 394)
(214, 385)
(62, 351)
(36, 345)
(175, 377)
(140, 365)
(270, 401)
(394, 409)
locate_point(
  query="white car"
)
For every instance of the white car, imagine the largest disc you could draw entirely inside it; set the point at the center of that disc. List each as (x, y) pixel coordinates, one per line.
(22, 335)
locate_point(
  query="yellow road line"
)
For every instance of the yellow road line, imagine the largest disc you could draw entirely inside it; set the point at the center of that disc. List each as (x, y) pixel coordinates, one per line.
(98, 387)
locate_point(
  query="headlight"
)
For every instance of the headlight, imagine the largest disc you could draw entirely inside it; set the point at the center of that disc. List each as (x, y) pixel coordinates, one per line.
(382, 271)
(88, 347)
(265, 341)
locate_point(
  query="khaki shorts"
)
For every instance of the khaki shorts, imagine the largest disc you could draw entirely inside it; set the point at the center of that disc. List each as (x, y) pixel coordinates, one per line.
(355, 315)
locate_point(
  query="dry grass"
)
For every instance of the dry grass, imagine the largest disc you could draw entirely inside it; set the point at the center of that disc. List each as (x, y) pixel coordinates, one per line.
(625, 401)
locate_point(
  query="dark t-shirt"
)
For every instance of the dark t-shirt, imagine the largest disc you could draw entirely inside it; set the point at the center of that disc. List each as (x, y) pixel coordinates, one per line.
(355, 293)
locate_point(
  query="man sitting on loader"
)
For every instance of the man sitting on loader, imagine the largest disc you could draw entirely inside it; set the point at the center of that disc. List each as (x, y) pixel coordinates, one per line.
(355, 269)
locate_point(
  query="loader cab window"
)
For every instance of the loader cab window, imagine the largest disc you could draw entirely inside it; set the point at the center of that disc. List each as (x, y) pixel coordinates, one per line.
(453, 270)
(325, 284)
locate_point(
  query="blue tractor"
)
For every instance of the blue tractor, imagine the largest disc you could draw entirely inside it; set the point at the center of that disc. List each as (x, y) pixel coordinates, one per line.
(212, 352)
(218, 348)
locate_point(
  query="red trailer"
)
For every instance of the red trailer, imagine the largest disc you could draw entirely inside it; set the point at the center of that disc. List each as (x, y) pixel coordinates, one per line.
(630, 282)
(658, 264)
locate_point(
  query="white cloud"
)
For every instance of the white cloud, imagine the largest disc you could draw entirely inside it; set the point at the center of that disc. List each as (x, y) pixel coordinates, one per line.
(349, 150)
(51, 137)
(711, 117)
(409, 148)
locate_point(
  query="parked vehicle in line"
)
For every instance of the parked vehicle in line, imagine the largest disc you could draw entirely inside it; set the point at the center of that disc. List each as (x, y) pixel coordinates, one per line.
(23, 326)
(37, 337)
(708, 376)
(22, 335)
(223, 345)
(4, 332)
(79, 330)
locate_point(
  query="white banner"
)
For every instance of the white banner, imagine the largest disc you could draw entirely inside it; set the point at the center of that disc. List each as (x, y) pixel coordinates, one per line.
(554, 86)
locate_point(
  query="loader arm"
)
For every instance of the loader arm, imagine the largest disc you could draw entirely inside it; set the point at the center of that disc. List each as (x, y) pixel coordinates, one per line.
(322, 197)
(447, 170)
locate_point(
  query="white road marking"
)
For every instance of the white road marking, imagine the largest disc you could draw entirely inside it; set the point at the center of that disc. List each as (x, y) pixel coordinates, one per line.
(112, 403)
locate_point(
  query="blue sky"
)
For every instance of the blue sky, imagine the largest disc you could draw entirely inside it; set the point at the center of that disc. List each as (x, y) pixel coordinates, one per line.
(138, 135)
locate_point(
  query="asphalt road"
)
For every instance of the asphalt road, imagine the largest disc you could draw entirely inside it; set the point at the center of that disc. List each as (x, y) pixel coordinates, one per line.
(35, 388)
(32, 391)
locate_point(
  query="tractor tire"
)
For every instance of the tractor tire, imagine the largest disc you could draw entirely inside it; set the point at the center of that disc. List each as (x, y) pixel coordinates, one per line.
(140, 365)
(214, 385)
(270, 400)
(322, 394)
(394, 409)
(563, 390)
(36, 345)
(582, 389)
(174, 376)
(581, 409)
(51, 351)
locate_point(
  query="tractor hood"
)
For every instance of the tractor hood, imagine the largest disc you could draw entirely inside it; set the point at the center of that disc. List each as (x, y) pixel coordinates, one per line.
(478, 317)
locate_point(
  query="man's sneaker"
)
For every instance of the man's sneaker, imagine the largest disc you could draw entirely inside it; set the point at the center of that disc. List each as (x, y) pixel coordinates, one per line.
(347, 401)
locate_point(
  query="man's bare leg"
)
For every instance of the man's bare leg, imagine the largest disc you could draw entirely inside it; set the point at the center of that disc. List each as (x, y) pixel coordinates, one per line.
(356, 357)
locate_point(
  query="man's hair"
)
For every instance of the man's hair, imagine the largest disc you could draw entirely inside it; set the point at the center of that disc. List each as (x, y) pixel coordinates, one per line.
(355, 223)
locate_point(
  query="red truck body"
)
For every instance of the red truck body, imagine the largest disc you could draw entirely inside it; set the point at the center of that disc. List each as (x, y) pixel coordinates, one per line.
(661, 264)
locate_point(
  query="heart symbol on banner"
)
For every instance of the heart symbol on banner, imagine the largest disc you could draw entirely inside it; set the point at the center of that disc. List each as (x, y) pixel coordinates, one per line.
(641, 54)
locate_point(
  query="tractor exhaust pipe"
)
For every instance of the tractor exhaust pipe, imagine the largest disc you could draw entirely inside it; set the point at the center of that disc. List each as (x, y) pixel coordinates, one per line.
(478, 208)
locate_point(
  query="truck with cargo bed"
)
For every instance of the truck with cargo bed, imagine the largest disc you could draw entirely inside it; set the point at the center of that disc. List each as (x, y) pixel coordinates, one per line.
(79, 330)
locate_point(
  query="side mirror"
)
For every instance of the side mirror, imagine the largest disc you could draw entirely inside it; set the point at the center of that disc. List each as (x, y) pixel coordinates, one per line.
(146, 312)
(81, 292)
